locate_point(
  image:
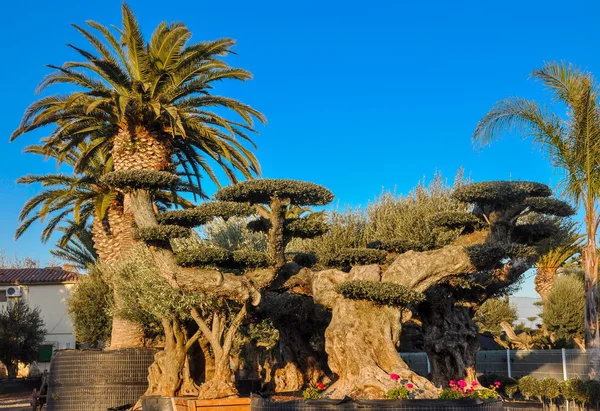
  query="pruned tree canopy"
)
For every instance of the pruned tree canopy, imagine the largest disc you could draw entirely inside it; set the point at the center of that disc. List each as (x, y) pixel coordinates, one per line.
(161, 233)
(205, 212)
(141, 179)
(261, 191)
(349, 257)
(381, 293)
(549, 205)
(305, 227)
(500, 192)
(202, 256)
(457, 219)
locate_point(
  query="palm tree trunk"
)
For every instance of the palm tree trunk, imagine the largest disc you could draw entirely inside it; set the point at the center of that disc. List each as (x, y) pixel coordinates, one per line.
(590, 261)
(544, 281)
(113, 238)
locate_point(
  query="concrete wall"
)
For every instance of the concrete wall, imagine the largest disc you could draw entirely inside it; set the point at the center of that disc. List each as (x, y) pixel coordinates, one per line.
(51, 299)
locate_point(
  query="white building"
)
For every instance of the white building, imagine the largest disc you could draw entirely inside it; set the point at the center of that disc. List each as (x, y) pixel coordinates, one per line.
(48, 289)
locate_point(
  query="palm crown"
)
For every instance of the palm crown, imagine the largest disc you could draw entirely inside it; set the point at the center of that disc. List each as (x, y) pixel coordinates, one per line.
(128, 89)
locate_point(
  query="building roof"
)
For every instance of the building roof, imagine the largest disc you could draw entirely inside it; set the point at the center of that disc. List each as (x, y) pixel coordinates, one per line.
(48, 275)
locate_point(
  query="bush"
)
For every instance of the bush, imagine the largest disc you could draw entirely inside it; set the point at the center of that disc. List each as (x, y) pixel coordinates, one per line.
(563, 310)
(141, 179)
(381, 293)
(261, 191)
(529, 387)
(89, 306)
(550, 389)
(353, 256)
(491, 313)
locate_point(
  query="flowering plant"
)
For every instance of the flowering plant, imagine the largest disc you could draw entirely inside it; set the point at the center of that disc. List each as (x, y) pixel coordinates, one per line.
(461, 389)
(403, 390)
(314, 391)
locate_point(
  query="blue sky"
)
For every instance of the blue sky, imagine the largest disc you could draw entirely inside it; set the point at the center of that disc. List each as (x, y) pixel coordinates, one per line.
(358, 96)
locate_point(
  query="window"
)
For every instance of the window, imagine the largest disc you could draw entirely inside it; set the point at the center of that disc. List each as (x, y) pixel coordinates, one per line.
(2, 296)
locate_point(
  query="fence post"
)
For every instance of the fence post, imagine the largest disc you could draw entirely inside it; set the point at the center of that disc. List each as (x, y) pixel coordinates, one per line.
(564, 363)
(508, 363)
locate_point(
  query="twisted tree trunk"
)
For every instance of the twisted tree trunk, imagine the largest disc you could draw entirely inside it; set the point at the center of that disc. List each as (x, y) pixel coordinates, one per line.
(451, 341)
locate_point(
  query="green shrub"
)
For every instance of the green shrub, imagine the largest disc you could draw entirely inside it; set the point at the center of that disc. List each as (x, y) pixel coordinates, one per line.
(89, 306)
(261, 191)
(563, 310)
(161, 233)
(381, 293)
(571, 389)
(529, 387)
(550, 389)
(141, 179)
(491, 313)
(353, 256)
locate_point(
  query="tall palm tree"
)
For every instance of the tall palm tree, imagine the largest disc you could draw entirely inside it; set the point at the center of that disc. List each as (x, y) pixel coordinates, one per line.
(79, 250)
(573, 145)
(145, 102)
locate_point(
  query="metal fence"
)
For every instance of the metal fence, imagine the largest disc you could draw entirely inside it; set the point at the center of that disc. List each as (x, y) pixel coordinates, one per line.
(559, 364)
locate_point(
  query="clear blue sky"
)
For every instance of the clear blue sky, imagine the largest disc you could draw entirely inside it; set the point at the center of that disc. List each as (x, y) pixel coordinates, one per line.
(359, 96)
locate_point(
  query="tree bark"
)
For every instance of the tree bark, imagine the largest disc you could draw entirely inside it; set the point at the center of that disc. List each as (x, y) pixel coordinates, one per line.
(544, 281)
(451, 340)
(276, 244)
(590, 261)
(361, 340)
(12, 368)
(113, 238)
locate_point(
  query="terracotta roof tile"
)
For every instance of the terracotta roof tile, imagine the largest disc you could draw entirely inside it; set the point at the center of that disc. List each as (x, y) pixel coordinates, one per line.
(36, 275)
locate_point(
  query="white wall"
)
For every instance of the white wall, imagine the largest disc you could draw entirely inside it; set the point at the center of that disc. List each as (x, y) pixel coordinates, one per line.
(51, 299)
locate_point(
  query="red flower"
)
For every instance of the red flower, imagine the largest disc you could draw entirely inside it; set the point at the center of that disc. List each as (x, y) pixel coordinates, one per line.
(320, 386)
(409, 386)
(497, 384)
(394, 377)
(474, 383)
(452, 383)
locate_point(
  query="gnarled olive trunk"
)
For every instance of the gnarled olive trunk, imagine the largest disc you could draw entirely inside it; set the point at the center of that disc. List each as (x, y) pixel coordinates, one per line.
(451, 341)
(276, 242)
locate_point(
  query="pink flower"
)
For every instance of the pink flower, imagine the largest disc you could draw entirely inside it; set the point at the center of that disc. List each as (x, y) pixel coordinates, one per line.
(320, 386)
(452, 383)
(394, 377)
(474, 383)
(497, 384)
(409, 386)
(462, 384)
(470, 390)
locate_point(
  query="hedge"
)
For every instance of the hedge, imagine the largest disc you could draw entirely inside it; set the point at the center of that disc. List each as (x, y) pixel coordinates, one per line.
(261, 191)
(381, 293)
(141, 179)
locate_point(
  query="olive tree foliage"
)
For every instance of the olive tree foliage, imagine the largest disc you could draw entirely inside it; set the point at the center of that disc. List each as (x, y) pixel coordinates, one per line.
(89, 306)
(233, 234)
(563, 310)
(493, 312)
(392, 222)
(22, 331)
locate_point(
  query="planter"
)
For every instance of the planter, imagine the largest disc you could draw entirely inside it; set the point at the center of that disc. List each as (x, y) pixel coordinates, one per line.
(158, 403)
(225, 404)
(266, 404)
(95, 380)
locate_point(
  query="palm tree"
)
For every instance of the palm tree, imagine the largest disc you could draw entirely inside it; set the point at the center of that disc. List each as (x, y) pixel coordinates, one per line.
(573, 145)
(549, 264)
(79, 250)
(145, 102)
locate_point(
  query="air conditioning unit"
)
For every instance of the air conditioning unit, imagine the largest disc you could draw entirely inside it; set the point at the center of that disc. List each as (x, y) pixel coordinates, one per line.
(14, 291)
